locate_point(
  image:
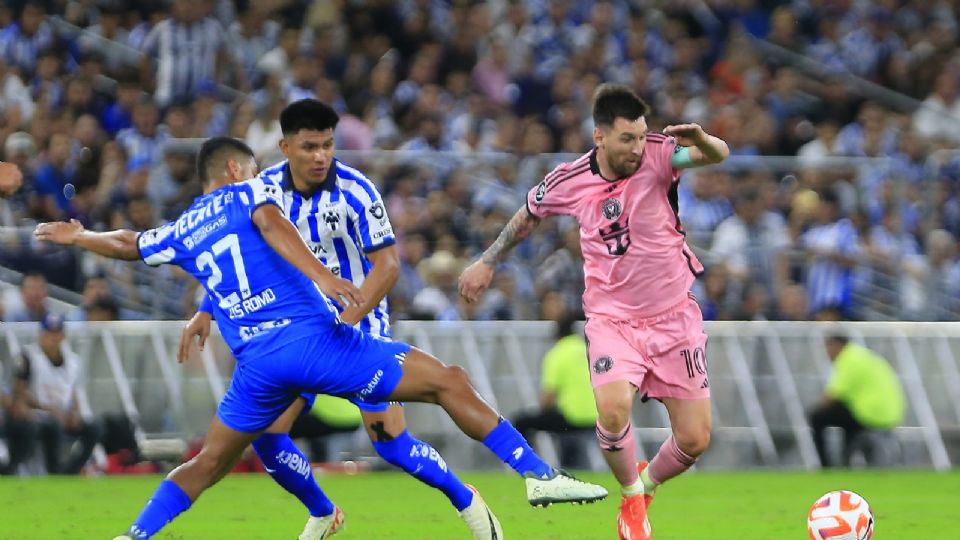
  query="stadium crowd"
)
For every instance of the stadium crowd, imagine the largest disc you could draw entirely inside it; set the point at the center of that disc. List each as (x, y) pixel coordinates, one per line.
(457, 108)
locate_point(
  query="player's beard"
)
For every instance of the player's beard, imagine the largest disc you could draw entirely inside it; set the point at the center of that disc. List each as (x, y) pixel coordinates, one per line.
(625, 168)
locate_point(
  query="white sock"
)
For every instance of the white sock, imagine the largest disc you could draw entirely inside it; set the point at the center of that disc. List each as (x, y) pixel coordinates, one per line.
(636, 488)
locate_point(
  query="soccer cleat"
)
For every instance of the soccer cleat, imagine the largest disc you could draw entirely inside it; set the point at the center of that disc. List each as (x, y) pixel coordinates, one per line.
(480, 520)
(318, 528)
(562, 488)
(632, 522)
(124, 537)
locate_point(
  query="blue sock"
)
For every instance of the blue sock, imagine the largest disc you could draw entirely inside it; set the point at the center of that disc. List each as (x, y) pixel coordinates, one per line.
(291, 469)
(507, 443)
(168, 501)
(424, 463)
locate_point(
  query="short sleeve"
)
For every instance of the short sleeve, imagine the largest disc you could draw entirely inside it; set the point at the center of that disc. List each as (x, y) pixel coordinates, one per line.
(257, 192)
(156, 246)
(551, 197)
(667, 147)
(372, 223)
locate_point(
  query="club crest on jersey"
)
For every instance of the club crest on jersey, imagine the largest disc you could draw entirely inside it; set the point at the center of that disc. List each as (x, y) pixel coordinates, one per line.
(611, 209)
(377, 211)
(332, 219)
(616, 237)
(541, 191)
(602, 365)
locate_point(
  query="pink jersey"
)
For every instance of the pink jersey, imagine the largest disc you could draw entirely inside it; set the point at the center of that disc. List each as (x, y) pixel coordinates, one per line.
(636, 261)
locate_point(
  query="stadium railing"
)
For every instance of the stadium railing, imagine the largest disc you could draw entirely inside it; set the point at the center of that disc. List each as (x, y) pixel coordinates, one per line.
(764, 377)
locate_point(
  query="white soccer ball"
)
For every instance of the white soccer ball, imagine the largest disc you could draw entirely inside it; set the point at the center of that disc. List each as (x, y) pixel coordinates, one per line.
(840, 515)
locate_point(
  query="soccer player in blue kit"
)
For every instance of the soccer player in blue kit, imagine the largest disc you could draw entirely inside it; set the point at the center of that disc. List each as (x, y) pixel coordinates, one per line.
(272, 307)
(341, 217)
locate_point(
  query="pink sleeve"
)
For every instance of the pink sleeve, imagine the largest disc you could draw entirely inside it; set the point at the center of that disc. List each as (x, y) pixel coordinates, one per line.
(549, 198)
(667, 148)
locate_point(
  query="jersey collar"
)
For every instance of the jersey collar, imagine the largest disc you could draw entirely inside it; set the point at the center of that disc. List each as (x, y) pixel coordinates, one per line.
(595, 167)
(329, 184)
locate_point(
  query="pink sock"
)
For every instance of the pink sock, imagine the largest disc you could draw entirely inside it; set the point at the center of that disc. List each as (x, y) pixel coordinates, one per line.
(620, 451)
(670, 461)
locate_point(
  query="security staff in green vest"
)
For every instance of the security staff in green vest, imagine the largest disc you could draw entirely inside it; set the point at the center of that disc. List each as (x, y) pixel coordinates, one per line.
(863, 393)
(566, 395)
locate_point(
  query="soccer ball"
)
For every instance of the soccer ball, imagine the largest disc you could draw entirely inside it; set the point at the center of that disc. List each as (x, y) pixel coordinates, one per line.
(840, 515)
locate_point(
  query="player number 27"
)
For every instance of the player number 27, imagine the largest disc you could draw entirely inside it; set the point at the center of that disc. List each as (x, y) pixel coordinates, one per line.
(207, 259)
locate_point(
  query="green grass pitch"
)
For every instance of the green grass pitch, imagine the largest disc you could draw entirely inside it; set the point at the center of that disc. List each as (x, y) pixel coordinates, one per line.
(392, 506)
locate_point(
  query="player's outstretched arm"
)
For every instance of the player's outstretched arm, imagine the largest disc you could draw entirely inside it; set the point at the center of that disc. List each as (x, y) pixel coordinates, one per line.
(476, 278)
(10, 178)
(702, 148)
(119, 244)
(284, 239)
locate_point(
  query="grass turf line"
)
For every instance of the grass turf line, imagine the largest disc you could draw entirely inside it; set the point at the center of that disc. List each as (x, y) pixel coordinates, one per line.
(700, 506)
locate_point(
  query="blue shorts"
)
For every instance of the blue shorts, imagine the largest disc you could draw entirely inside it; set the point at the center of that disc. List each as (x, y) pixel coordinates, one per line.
(365, 407)
(344, 362)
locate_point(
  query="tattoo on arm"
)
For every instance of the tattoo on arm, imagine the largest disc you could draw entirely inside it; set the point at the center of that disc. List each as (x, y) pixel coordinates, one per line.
(520, 226)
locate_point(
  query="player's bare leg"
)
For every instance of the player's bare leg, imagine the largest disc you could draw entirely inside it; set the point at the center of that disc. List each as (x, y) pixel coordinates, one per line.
(325, 517)
(428, 380)
(619, 446)
(184, 485)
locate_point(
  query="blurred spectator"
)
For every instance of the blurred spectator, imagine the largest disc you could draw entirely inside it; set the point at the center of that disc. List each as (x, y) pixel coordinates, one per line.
(862, 394)
(188, 48)
(109, 37)
(45, 407)
(437, 301)
(832, 249)
(566, 395)
(95, 289)
(145, 139)
(22, 40)
(752, 244)
(939, 115)
(31, 303)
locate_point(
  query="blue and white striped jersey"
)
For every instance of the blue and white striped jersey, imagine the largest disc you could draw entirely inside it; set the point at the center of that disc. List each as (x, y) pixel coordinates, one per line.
(830, 284)
(255, 292)
(342, 222)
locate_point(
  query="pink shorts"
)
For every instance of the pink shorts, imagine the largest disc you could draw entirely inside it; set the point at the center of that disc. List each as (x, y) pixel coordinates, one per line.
(663, 356)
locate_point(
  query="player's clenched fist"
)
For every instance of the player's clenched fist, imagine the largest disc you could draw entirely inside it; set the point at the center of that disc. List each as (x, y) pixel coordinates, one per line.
(474, 280)
(10, 178)
(59, 232)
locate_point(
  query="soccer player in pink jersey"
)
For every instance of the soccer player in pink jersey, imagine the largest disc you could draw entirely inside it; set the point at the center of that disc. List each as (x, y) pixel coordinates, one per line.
(644, 329)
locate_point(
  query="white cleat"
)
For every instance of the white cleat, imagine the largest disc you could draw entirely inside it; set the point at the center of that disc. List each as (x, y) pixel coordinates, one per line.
(562, 488)
(480, 520)
(124, 537)
(318, 528)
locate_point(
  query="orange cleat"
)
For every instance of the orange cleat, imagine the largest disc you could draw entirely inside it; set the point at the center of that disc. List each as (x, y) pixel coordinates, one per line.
(632, 522)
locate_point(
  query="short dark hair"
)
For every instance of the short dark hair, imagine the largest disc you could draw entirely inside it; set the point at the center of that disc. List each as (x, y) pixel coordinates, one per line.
(566, 322)
(307, 114)
(841, 339)
(215, 152)
(612, 101)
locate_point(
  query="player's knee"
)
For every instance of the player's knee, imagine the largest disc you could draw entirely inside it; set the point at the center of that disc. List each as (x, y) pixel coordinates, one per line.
(613, 414)
(693, 442)
(456, 379)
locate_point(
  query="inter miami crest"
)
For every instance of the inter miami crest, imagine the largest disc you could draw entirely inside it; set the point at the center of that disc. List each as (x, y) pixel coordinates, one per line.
(611, 209)
(602, 365)
(616, 237)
